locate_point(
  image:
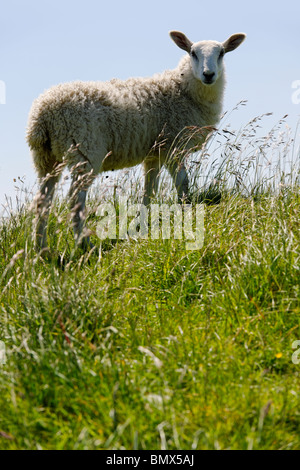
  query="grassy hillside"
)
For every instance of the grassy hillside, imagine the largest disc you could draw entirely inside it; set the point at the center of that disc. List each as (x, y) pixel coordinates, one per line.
(142, 344)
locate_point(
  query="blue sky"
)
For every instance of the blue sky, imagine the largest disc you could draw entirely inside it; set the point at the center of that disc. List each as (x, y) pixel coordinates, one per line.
(48, 42)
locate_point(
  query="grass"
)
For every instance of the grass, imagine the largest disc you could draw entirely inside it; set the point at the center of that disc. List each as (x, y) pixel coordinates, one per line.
(145, 345)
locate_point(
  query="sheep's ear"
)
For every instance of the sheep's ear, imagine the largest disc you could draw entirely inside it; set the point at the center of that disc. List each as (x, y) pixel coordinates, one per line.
(181, 40)
(234, 41)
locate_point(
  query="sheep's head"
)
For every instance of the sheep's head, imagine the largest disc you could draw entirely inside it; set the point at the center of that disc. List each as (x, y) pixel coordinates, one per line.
(207, 56)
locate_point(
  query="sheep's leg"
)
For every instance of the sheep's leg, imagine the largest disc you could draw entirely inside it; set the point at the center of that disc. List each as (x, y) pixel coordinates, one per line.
(180, 179)
(43, 203)
(151, 169)
(81, 180)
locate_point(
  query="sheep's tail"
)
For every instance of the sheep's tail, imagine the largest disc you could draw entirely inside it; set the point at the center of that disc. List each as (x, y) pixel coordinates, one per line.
(37, 134)
(38, 139)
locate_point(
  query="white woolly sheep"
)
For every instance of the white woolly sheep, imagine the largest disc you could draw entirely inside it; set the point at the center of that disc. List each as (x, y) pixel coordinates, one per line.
(116, 124)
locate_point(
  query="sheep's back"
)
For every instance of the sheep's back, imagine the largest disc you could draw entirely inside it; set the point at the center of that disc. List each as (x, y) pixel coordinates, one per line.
(129, 118)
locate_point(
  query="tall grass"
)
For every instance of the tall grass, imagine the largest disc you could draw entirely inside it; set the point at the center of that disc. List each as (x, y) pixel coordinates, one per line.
(141, 344)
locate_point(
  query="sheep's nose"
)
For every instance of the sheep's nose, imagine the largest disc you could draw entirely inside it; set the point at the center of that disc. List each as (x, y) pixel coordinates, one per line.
(208, 76)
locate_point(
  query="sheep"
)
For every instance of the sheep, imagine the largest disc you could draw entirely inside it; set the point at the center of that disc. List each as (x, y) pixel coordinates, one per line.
(101, 126)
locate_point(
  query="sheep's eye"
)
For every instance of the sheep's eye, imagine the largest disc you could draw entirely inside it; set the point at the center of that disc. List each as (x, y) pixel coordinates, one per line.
(221, 54)
(194, 55)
